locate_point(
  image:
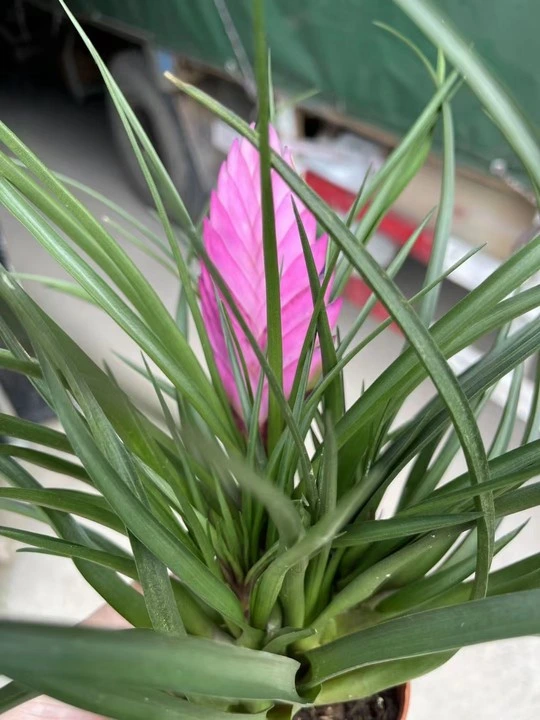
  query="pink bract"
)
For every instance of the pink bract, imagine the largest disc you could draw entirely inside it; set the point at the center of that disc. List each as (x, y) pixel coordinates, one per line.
(232, 235)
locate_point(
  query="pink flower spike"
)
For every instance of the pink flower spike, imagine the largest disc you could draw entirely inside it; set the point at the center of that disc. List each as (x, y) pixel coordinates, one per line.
(232, 236)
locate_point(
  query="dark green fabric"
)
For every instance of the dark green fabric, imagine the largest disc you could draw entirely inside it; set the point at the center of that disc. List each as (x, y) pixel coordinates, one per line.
(332, 45)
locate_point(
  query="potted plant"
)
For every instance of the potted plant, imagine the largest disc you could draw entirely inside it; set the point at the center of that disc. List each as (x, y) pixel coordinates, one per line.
(264, 584)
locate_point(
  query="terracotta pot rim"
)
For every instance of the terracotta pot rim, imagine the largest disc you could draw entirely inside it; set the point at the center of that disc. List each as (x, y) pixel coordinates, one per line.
(405, 697)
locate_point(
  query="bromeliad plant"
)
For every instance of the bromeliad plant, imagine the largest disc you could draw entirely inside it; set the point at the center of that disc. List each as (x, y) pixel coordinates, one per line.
(264, 580)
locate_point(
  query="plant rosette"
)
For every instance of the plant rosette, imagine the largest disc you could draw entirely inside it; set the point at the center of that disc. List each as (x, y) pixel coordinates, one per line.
(240, 533)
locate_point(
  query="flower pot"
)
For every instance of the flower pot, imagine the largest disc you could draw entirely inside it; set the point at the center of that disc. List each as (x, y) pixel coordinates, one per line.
(404, 692)
(391, 704)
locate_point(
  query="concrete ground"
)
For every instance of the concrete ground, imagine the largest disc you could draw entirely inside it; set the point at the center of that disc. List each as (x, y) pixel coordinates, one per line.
(490, 681)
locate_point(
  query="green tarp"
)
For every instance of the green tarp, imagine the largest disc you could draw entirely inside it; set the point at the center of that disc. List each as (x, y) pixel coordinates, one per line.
(360, 70)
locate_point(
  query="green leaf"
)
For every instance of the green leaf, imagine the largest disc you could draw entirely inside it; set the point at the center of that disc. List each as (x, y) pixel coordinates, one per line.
(63, 286)
(518, 500)
(237, 362)
(416, 50)
(373, 679)
(143, 247)
(443, 226)
(284, 637)
(522, 575)
(118, 210)
(532, 428)
(8, 361)
(254, 444)
(504, 580)
(503, 435)
(13, 426)
(45, 460)
(147, 660)
(91, 507)
(270, 251)
(508, 470)
(393, 268)
(355, 207)
(432, 631)
(157, 590)
(327, 503)
(18, 508)
(130, 703)
(335, 399)
(56, 546)
(376, 530)
(126, 702)
(419, 474)
(163, 385)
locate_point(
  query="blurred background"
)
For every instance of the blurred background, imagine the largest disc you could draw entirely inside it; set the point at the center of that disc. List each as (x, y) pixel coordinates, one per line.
(346, 91)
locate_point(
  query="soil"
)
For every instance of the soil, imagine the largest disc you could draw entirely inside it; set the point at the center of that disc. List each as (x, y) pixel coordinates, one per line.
(384, 706)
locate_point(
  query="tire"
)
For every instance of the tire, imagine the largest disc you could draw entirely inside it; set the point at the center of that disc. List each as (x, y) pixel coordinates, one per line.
(156, 112)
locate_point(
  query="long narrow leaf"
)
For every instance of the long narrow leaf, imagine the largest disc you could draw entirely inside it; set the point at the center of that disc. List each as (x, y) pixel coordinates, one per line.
(335, 392)
(13, 426)
(374, 530)
(45, 460)
(444, 218)
(428, 632)
(271, 267)
(55, 546)
(8, 361)
(179, 665)
(114, 700)
(62, 286)
(91, 507)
